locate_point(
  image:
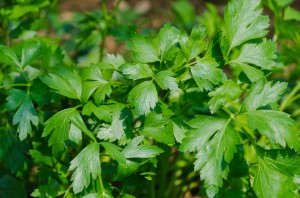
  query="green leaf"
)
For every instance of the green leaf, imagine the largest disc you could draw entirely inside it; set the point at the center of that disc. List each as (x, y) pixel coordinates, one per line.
(134, 150)
(143, 97)
(251, 72)
(261, 54)
(291, 14)
(6, 141)
(178, 130)
(15, 98)
(114, 152)
(143, 49)
(125, 170)
(275, 174)
(8, 56)
(214, 140)
(105, 133)
(117, 114)
(51, 57)
(128, 196)
(21, 9)
(64, 81)
(276, 125)
(102, 91)
(31, 50)
(103, 112)
(77, 120)
(165, 80)
(167, 39)
(193, 46)
(283, 3)
(263, 93)
(159, 128)
(39, 93)
(121, 121)
(243, 22)
(184, 11)
(92, 195)
(94, 82)
(120, 117)
(16, 159)
(26, 113)
(115, 60)
(206, 74)
(211, 18)
(85, 164)
(75, 134)
(60, 124)
(11, 187)
(39, 157)
(51, 189)
(136, 71)
(224, 94)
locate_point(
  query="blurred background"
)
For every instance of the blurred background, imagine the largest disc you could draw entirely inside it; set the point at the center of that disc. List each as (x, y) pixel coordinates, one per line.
(145, 15)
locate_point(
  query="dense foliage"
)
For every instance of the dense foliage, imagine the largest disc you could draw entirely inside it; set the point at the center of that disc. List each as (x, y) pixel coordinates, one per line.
(193, 108)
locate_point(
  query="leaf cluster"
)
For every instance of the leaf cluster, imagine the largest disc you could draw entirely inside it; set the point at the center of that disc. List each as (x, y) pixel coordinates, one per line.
(103, 129)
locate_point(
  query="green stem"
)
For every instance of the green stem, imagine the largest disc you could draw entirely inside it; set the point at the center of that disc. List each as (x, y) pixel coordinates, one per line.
(295, 98)
(152, 188)
(243, 129)
(296, 113)
(187, 65)
(15, 85)
(191, 64)
(54, 4)
(166, 96)
(104, 8)
(227, 54)
(289, 99)
(115, 8)
(25, 77)
(67, 191)
(247, 132)
(90, 135)
(84, 129)
(104, 30)
(177, 69)
(101, 186)
(102, 43)
(170, 188)
(228, 112)
(108, 18)
(117, 83)
(163, 171)
(120, 194)
(5, 31)
(95, 127)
